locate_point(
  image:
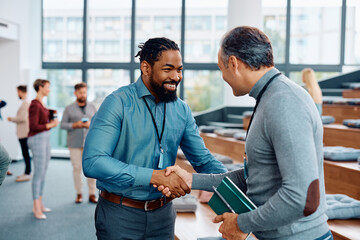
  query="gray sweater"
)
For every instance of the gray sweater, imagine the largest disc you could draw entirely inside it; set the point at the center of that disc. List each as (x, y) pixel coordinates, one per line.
(285, 165)
(73, 113)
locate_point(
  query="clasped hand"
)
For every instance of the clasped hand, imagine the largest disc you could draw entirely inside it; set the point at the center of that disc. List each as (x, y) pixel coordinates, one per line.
(175, 182)
(229, 227)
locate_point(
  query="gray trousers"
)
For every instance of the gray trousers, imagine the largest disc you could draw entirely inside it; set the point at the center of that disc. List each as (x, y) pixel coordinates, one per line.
(39, 145)
(115, 221)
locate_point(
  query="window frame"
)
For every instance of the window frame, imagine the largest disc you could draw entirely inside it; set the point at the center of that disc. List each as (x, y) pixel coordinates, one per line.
(132, 65)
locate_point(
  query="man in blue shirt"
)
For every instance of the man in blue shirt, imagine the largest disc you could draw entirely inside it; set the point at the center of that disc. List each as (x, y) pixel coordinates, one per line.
(133, 137)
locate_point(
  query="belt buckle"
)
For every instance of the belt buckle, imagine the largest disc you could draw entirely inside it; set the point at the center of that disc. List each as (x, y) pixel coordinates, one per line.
(146, 204)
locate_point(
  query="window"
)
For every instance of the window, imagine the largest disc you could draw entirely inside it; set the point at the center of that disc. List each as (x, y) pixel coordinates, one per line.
(274, 12)
(113, 34)
(297, 77)
(75, 24)
(53, 25)
(204, 28)
(157, 18)
(62, 84)
(203, 89)
(53, 49)
(63, 24)
(352, 40)
(102, 82)
(109, 31)
(315, 29)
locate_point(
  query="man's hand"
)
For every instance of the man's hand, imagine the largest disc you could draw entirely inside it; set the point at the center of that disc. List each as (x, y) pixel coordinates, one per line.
(78, 124)
(229, 228)
(86, 124)
(9, 119)
(186, 176)
(176, 185)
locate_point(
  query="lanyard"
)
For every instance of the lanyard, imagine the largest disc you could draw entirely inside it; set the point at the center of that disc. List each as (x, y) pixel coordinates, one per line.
(161, 159)
(252, 115)
(259, 98)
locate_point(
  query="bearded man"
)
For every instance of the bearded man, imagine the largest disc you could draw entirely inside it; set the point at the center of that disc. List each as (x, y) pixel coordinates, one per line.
(76, 120)
(133, 137)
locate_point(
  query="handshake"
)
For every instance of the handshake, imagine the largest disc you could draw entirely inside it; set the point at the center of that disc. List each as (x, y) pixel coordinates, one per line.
(172, 181)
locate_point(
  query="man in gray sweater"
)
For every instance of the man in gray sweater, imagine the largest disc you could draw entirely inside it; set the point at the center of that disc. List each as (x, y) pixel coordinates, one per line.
(76, 120)
(283, 174)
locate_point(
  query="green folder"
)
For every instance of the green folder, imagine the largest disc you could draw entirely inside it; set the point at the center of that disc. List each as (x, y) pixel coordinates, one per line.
(229, 198)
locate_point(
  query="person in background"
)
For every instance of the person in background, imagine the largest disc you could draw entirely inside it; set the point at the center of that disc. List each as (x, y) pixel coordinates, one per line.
(5, 161)
(3, 104)
(283, 172)
(312, 86)
(22, 131)
(133, 137)
(76, 120)
(39, 143)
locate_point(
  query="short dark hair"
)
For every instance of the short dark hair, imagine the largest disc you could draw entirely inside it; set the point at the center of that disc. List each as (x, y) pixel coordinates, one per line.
(22, 88)
(80, 85)
(40, 82)
(248, 44)
(151, 50)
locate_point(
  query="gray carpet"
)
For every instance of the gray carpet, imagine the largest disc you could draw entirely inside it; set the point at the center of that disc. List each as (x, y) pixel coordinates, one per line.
(67, 220)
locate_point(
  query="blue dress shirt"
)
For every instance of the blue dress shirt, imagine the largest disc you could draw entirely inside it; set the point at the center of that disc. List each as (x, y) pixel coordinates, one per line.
(122, 149)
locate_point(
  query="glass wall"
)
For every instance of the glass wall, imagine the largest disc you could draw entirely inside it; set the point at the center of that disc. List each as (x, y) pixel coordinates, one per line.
(95, 41)
(297, 77)
(156, 19)
(62, 84)
(315, 32)
(62, 30)
(204, 90)
(274, 12)
(102, 82)
(205, 24)
(109, 31)
(352, 46)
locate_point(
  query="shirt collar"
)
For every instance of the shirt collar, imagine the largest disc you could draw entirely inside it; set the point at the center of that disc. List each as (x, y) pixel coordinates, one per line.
(141, 89)
(255, 90)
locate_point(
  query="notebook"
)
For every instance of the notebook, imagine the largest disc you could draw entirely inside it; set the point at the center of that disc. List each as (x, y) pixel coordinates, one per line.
(229, 198)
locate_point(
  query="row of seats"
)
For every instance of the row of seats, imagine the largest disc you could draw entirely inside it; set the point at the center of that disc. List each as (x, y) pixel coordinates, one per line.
(351, 93)
(341, 100)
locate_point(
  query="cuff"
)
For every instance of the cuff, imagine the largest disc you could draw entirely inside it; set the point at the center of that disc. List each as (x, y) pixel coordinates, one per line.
(143, 176)
(200, 182)
(243, 222)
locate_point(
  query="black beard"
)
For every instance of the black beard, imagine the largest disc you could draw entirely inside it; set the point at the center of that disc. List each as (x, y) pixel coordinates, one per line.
(81, 100)
(161, 92)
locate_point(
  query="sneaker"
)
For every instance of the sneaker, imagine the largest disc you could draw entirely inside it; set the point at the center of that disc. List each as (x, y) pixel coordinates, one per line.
(23, 178)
